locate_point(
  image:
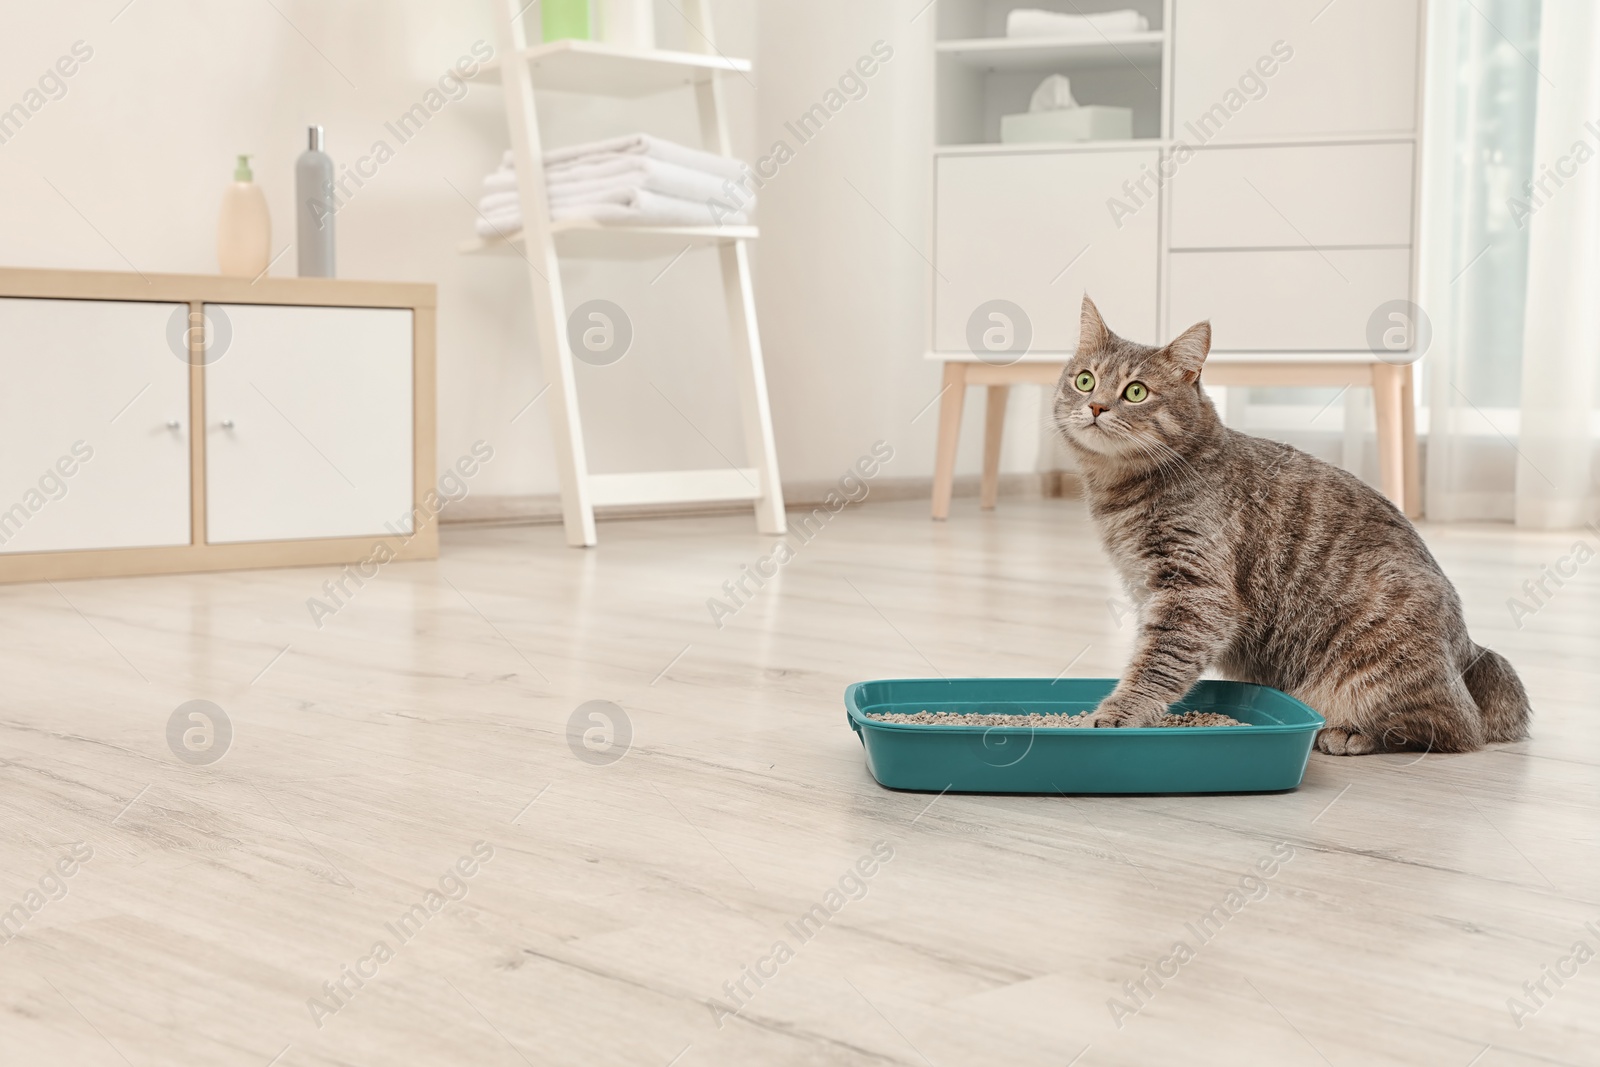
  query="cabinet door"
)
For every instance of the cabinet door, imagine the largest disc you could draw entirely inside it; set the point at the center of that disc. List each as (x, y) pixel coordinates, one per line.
(94, 425)
(308, 423)
(1037, 230)
(1352, 70)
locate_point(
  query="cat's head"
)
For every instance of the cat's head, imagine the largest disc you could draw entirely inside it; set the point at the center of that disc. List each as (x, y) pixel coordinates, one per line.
(1130, 404)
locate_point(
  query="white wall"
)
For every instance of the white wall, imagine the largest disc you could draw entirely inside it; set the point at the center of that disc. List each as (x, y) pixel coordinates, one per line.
(126, 171)
(844, 271)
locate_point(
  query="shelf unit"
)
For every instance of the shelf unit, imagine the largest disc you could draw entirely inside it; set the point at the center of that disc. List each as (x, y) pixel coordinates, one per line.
(981, 74)
(587, 239)
(1047, 54)
(1270, 186)
(196, 400)
(609, 70)
(604, 69)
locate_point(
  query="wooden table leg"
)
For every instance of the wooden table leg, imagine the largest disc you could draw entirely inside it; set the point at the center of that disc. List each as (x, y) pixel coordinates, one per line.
(1387, 400)
(994, 428)
(951, 400)
(1408, 442)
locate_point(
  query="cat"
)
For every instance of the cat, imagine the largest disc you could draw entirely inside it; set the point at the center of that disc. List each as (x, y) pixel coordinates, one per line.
(1273, 567)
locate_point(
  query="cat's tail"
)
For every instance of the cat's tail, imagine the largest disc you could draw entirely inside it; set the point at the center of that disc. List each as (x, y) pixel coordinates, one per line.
(1498, 692)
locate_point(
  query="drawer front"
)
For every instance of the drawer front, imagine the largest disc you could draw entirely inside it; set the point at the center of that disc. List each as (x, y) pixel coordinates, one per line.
(309, 424)
(1261, 68)
(1289, 197)
(94, 425)
(1291, 301)
(1037, 230)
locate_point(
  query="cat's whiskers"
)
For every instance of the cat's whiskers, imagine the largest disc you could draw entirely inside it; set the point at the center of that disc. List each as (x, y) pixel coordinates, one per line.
(1131, 446)
(1176, 456)
(1162, 463)
(1164, 456)
(1134, 446)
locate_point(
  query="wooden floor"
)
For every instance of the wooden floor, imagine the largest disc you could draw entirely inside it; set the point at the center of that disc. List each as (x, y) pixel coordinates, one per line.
(625, 901)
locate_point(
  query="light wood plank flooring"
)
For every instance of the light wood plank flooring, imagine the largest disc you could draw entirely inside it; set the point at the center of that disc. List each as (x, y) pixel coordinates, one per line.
(369, 755)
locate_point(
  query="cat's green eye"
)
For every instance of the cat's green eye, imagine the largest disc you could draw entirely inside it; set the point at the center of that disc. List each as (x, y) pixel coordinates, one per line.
(1136, 392)
(1084, 381)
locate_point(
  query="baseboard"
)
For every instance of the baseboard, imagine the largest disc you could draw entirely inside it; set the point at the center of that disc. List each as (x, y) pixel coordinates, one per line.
(545, 508)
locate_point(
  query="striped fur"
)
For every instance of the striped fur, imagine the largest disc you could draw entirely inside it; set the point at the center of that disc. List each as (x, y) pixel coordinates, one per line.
(1251, 557)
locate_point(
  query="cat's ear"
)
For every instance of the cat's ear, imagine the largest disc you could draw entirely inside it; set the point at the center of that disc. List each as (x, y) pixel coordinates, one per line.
(1190, 349)
(1092, 332)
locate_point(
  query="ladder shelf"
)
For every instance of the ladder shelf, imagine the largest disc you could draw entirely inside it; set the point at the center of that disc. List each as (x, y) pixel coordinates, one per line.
(609, 70)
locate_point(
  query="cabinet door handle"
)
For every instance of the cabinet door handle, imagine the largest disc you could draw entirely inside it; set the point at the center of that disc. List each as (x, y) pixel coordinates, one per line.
(226, 424)
(173, 424)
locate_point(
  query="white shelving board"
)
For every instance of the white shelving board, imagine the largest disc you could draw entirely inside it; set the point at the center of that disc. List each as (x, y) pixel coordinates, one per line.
(608, 70)
(1047, 53)
(587, 239)
(1045, 147)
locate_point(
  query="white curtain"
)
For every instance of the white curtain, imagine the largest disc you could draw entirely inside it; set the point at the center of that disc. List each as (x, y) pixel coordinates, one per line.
(1556, 484)
(1511, 261)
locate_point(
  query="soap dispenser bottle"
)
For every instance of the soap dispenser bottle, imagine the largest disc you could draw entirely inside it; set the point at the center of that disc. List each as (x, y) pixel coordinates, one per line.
(244, 229)
(314, 207)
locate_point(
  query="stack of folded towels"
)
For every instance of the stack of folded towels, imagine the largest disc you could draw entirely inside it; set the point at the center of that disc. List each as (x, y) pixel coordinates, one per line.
(1032, 22)
(637, 180)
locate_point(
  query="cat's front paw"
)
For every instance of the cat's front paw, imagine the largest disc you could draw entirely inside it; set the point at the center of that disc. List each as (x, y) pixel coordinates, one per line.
(1119, 710)
(1336, 741)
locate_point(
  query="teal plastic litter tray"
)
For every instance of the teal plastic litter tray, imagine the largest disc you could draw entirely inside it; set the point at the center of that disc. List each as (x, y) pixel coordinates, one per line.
(1268, 754)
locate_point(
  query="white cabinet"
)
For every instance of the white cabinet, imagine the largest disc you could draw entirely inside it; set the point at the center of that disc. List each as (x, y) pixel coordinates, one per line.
(1037, 230)
(1268, 186)
(309, 423)
(1351, 68)
(1283, 159)
(300, 433)
(94, 425)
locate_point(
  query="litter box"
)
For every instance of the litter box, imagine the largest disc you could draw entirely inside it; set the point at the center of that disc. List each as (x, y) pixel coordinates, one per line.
(1268, 754)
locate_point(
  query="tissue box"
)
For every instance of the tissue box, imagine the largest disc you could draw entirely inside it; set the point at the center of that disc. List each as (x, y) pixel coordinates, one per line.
(1092, 122)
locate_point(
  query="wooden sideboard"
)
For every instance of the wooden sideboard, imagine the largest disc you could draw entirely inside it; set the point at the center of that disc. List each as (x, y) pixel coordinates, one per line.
(164, 423)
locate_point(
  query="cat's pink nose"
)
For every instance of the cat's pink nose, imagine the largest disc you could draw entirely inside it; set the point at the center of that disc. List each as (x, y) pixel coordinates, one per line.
(1097, 410)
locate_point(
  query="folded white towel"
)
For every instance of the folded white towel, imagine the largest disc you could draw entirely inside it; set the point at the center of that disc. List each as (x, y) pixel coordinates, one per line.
(635, 207)
(498, 223)
(635, 180)
(1032, 22)
(499, 206)
(500, 181)
(632, 147)
(640, 207)
(621, 195)
(637, 172)
(643, 144)
(567, 194)
(614, 170)
(498, 202)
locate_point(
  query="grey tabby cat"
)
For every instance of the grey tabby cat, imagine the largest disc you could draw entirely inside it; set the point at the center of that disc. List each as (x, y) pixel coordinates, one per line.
(1252, 557)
